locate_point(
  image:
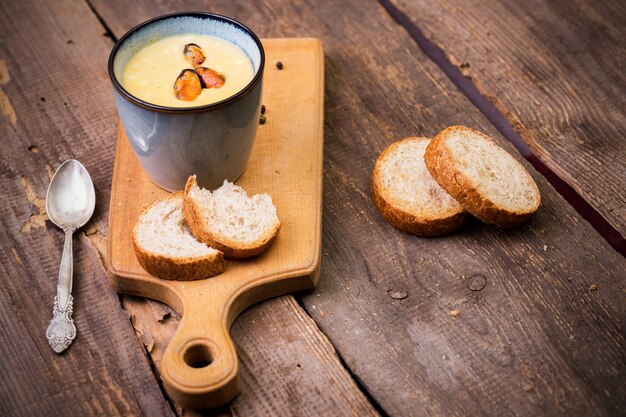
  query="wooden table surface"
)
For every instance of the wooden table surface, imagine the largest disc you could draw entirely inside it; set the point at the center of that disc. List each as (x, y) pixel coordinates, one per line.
(542, 308)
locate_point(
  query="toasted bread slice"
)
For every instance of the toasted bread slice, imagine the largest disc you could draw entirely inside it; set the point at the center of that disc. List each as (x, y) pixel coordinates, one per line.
(406, 195)
(165, 246)
(483, 177)
(229, 220)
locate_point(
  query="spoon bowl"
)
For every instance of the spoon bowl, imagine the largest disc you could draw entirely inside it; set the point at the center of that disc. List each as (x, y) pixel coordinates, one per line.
(71, 197)
(70, 202)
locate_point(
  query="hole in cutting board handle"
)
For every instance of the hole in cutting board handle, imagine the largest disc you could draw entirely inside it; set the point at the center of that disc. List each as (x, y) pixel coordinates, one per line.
(198, 355)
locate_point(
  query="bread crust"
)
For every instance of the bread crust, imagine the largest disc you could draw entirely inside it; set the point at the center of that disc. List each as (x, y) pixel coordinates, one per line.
(176, 268)
(230, 247)
(399, 217)
(443, 167)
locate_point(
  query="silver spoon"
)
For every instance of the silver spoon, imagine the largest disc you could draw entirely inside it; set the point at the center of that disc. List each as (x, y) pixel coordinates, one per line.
(70, 202)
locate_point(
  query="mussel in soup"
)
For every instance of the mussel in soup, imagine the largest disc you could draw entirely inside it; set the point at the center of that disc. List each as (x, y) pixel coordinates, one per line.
(187, 86)
(193, 54)
(210, 78)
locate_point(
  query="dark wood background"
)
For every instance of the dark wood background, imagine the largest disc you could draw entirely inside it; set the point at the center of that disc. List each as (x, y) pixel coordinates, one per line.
(544, 336)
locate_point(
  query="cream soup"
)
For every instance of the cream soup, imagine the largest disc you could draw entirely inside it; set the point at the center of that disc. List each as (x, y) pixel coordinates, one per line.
(151, 73)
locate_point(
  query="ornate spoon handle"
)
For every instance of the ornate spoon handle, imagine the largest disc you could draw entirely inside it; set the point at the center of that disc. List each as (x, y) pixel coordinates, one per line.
(61, 331)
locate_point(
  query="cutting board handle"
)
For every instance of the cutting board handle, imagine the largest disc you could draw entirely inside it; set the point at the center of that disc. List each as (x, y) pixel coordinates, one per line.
(199, 367)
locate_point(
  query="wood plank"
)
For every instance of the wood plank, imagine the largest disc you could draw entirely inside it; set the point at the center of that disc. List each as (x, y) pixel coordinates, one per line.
(105, 371)
(52, 58)
(534, 340)
(556, 71)
(288, 367)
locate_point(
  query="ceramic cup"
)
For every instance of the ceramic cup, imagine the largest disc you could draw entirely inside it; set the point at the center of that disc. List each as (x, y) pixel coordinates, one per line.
(213, 141)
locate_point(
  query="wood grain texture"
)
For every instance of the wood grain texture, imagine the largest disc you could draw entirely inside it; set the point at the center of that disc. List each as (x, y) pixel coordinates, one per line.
(288, 367)
(286, 162)
(48, 101)
(557, 71)
(56, 104)
(533, 340)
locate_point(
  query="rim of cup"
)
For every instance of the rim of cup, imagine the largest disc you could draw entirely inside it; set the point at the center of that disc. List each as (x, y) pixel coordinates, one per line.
(167, 109)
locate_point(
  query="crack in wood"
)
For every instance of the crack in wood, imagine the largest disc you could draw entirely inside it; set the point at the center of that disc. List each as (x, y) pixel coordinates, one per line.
(98, 240)
(5, 104)
(108, 32)
(357, 381)
(7, 109)
(4, 72)
(17, 257)
(36, 220)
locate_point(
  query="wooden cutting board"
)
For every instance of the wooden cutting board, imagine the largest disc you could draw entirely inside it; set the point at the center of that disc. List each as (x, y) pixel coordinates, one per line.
(200, 367)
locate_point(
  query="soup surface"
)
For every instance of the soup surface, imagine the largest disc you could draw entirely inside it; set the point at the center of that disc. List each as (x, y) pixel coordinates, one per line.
(151, 73)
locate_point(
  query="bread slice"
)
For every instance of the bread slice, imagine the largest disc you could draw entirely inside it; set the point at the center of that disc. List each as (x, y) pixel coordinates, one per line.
(483, 177)
(165, 246)
(229, 220)
(406, 195)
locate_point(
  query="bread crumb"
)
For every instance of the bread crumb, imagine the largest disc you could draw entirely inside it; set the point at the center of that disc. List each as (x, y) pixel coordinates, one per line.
(454, 313)
(593, 287)
(527, 387)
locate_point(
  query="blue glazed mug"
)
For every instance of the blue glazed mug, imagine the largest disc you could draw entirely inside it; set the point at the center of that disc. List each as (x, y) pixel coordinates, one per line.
(213, 141)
